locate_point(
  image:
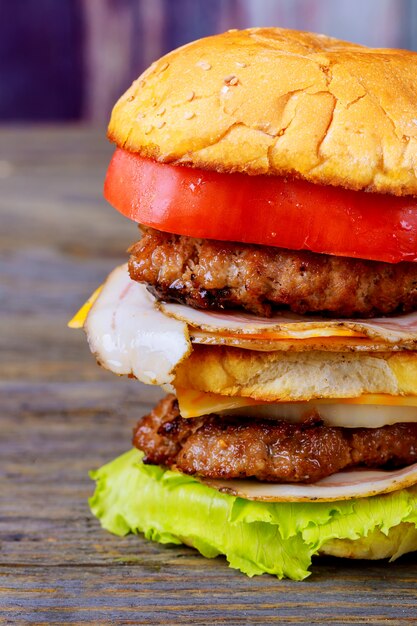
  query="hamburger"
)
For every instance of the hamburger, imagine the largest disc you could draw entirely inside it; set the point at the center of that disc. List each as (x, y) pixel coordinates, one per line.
(272, 295)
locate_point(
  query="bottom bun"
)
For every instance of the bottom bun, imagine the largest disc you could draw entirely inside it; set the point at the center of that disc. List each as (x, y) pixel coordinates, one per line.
(278, 538)
(400, 540)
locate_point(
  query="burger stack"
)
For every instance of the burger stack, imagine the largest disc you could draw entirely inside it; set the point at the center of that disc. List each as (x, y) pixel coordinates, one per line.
(272, 295)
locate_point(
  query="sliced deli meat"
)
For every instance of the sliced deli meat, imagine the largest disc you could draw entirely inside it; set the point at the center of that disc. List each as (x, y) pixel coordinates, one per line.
(128, 335)
(398, 329)
(270, 343)
(341, 486)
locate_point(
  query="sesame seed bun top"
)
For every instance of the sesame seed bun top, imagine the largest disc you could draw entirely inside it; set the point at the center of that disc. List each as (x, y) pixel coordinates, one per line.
(275, 101)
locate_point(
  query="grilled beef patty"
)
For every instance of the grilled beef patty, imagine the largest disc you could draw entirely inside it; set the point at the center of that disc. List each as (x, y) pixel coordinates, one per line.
(225, 447)
(221, 275)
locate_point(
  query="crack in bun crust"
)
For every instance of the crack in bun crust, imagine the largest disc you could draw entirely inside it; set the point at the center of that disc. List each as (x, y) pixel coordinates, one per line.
(280, 102)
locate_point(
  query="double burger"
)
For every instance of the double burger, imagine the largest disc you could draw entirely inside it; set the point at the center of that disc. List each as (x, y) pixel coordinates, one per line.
(272, 295)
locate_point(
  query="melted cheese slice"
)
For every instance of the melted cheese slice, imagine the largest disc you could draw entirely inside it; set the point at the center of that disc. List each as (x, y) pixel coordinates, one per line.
(367, 411)
(79, 318)
(264, 342)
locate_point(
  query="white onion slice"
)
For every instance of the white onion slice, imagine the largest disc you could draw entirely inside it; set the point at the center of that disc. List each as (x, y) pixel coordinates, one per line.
(129, 335)
(402, 328)
(339, 486)
(338, 415)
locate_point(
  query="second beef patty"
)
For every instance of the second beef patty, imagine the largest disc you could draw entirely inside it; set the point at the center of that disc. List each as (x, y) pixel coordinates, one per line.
(224, 447)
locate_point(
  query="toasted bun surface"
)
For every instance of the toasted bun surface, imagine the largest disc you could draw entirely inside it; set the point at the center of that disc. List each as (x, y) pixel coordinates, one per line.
(275, 101)
(399, 540)
(295, 376)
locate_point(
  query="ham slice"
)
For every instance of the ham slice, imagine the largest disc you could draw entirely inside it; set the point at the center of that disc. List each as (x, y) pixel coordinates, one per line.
(340, 486)
(400, 329)
(129, 335)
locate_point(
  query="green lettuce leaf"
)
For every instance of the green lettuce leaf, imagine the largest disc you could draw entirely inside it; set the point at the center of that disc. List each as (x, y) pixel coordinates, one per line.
(255, 537)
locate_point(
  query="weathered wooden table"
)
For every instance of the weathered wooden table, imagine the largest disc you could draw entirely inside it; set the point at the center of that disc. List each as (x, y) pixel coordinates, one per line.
(61, 415)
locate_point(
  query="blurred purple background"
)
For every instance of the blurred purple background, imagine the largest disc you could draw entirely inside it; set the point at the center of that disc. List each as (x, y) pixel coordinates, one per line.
(70, 59)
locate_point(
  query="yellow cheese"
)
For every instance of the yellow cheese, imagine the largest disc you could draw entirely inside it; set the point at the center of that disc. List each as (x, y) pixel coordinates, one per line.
(322, 331)
(79, 318)
(194, 403)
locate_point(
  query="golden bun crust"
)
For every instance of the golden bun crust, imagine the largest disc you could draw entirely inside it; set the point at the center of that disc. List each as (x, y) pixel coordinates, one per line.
(276, 101)
(399, 540)
(296, 376)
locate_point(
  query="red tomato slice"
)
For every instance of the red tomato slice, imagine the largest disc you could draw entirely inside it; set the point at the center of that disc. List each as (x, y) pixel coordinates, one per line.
(268, 210)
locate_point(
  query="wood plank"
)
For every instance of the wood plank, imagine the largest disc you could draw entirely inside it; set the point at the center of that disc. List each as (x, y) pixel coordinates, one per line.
(61, 415)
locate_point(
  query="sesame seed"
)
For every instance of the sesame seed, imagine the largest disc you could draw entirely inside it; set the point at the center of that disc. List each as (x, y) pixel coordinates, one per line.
(190, 96)
(231, 80)
(188, 115)
(160, 124)
(141, 115)
(148, 129)
(204, 65)
(240, 64)
(130, 98)
(161, 111)
(164, 67)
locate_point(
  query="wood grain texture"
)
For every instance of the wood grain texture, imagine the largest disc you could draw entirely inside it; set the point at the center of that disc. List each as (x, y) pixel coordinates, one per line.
(61, 415)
